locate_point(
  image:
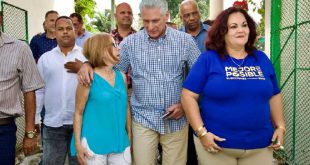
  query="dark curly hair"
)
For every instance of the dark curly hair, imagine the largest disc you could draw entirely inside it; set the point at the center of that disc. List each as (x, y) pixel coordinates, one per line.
(216, 34)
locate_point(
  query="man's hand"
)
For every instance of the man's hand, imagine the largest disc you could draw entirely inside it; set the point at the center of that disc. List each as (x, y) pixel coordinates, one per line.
(30, 145)
(176, 111)
(86, 74)
(74, 67)
(38, 128)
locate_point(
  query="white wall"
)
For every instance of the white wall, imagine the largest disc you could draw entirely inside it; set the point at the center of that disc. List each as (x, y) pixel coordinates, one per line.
(37, 9)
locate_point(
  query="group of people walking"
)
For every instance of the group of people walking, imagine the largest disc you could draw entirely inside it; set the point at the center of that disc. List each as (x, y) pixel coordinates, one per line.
(199, 93)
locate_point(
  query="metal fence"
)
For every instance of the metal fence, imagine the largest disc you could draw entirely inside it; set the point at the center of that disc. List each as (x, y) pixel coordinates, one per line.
(290, 48)
(15, 21)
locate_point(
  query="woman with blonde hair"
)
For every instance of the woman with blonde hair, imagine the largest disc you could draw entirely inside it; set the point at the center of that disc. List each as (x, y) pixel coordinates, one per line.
(102, 120)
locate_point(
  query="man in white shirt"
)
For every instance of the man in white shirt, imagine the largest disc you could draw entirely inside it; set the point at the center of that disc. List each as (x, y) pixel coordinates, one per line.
(58, 96)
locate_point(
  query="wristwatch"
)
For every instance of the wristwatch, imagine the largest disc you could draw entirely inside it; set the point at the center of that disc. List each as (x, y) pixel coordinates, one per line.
(31, 134)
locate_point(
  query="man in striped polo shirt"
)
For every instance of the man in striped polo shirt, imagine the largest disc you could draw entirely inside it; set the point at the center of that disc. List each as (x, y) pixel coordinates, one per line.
(18, 76)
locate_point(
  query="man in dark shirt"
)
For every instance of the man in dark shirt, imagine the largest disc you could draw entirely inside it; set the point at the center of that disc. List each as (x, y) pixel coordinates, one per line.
(40, 44)
(190, 16)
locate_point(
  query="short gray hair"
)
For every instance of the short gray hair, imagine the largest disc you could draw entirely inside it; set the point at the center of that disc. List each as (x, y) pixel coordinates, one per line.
(161, 4)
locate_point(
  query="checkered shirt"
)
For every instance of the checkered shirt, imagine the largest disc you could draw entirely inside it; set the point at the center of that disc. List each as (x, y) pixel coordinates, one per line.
(157, 75)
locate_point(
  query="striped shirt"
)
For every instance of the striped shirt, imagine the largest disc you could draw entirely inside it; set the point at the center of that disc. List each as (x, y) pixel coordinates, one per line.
(157, 75)
(18, 73)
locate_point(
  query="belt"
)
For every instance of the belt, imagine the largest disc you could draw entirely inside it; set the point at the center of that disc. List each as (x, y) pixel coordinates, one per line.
(8, 120)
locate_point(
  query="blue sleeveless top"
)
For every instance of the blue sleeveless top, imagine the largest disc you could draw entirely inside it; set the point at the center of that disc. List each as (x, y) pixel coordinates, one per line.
(104, 118)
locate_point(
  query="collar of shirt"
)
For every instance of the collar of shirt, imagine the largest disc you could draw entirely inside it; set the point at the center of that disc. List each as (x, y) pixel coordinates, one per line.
(161, 38)
(75, 48)
(116, 33)
(117, 36)
(204, 28)
(44, 36)
(200, 37)
(83, 35)
(86, 33)
(5, 39)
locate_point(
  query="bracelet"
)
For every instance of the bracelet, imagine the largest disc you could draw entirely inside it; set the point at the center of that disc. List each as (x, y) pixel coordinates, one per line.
(204, 133)
(197, 131)
(283, 128)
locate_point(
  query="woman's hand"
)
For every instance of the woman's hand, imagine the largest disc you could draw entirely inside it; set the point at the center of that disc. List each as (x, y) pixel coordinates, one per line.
(277, 139)
(81, 153)
(208, 142)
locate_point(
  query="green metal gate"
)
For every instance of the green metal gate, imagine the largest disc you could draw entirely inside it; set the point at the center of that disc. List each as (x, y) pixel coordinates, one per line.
(15, 21)
(290, 53)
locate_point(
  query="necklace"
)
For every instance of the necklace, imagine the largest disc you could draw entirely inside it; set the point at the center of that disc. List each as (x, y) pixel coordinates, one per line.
(239, 65)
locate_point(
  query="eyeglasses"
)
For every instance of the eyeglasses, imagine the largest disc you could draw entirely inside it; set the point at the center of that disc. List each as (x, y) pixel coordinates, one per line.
(115, 45)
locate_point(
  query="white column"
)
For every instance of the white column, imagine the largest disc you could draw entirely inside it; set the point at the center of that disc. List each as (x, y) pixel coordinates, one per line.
(267, 26)
(112, 14)
(216, 6)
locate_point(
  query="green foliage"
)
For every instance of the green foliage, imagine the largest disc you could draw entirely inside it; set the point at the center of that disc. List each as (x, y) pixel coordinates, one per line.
(260, 8)
(204, 9)
(87, 10)
(174, 10)
(102, 21)
(94, 21)
(85, 7)
(177, 20)
(173, 6)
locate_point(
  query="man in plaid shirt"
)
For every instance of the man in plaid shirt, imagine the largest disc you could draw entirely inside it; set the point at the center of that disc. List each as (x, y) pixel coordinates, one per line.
(157, 55)
(123, 16)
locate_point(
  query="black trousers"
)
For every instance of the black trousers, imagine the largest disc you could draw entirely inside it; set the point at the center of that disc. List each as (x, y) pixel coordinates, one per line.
(191, 150)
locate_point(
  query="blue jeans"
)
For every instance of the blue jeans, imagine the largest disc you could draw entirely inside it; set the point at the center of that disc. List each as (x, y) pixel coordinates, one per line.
(57, 145)
(7, 144)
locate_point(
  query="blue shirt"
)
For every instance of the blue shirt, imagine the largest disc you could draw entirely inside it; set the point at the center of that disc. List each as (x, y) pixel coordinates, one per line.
(234, 101)
(157, 75)
(201, 37)
(40, 44)
(104, 117)
(82, 38)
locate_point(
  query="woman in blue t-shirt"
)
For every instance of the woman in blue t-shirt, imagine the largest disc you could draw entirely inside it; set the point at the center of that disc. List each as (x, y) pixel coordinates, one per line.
(231, 97)
(102, 120)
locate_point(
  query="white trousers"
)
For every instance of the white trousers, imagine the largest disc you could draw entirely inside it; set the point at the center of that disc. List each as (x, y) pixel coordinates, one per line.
(123, 158)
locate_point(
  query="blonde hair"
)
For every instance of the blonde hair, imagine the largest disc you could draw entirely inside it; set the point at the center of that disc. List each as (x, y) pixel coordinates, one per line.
(98, 49)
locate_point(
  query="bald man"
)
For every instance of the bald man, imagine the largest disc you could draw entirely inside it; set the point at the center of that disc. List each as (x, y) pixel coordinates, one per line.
(190, 16)
(123, 16)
